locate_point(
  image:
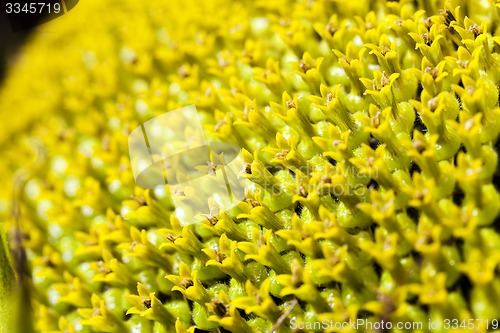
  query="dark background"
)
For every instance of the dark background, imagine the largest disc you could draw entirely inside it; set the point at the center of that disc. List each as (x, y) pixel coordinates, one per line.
(10, 41)
(16, 28)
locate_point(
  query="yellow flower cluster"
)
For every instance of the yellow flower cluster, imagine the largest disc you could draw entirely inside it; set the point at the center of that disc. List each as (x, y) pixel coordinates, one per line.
(369, 132)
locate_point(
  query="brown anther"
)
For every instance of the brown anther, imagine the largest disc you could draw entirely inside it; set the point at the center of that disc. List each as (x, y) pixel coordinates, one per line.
(427, 39)
(260, 240)
(47, 262)
(465, 218)
(384, 80)
(325, 179)
(331, 29)
(290, 104)
(284, 22)
(258, 299)
(384, 49)
(223, 62)
(146, 302)
(475, 30)
(420, 194)
(246, 112)
(106, 142)
(387, 301)
(171, 237)
(302, 191)
(463, 64)
(419, 145)
(329, 97)
(140, 200)
(212, 168)
(432, 71)
(219, 308)
(247, 168)
(369, 25)
(335, 259)
(178, 192)
(100, 265)
(219, 124)
(111, 227)
(61, 136)
(296, 277)
(305, 67)
(186, 283)
(220, 256)
(247, 54)
(212, 219)
(281, 155)
(387, 244)
(398, 22)
(327, 224)
(447, 16)
(252, 202)
(425, 239)
(96, 312)
(428, 23)
(376, 120)
(104, 269)
(122, 167)
(432, 104)
(183, 72)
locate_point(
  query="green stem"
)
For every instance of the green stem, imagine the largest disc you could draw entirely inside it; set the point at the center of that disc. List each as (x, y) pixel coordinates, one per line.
(7, 279)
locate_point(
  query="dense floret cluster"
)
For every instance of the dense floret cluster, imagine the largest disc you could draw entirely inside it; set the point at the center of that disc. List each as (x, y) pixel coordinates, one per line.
(368, 131)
